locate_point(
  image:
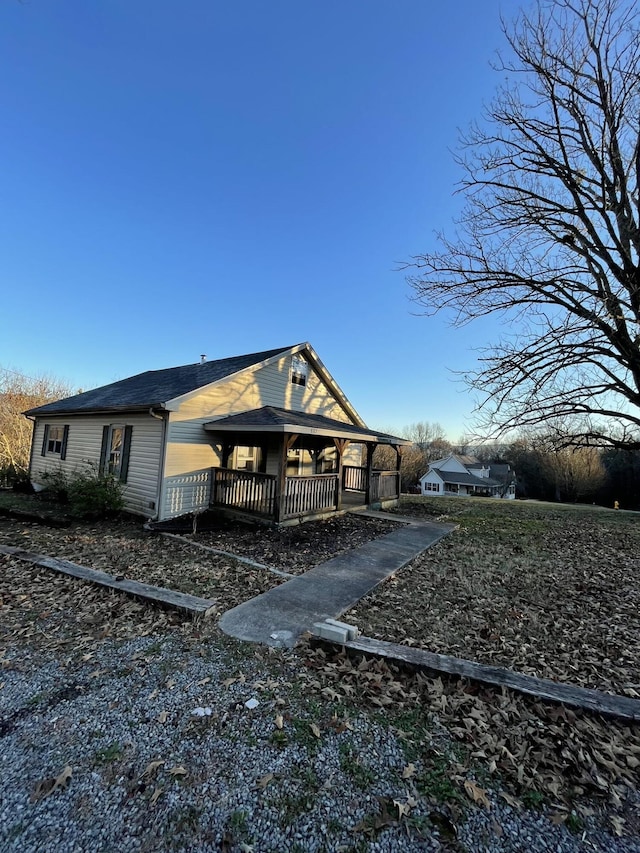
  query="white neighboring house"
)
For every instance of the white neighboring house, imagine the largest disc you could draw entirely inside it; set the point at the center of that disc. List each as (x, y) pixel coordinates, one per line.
(466, 476)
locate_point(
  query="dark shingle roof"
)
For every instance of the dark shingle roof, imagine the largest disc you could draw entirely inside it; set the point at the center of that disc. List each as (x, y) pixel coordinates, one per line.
(501, 470)
(270, 416)
(153, 387)
(467, 479)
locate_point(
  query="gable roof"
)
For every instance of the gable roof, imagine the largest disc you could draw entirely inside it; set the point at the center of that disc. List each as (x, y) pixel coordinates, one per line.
(272, 419)
(467, 479)
(465, 461)
(155, 387)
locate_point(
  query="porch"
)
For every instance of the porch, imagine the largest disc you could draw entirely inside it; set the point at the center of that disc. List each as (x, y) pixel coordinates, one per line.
(257, 494)
(282, 466)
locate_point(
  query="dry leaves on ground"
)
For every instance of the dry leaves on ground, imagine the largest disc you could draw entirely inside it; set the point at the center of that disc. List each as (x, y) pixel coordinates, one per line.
(123, 548)
(551, 592)
(530, 745)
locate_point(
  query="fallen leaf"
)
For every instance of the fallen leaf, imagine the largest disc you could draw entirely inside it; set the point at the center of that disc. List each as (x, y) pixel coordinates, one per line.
(403, 808)
(279, 721)
(618, 824)
(409, 771)
(203, 681)
(315, 730)
(179, 770)
(151, 768)
(162, 717)
(155, 796)
(558, 818)
(46, 787)
(512, 801)
(263, 781)
(477, 794)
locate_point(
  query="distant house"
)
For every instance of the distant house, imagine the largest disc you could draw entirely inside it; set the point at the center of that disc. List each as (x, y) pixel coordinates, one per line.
(268, 434)
(466, 476)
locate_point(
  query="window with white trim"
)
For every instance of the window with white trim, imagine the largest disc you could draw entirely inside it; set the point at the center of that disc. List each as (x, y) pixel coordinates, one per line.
(248, 458)
(114, 450)
(54, 439)
(299, 370)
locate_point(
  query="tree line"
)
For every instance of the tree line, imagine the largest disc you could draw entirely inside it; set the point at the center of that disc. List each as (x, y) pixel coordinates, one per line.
(17, 394)
(544, 470)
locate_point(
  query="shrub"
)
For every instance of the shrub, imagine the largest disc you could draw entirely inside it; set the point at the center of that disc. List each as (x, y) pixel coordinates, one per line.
(56, 486)
(14, 478)
(88, 492)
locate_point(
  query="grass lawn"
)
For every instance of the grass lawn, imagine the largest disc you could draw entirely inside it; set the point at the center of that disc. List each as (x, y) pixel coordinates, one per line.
(548, 590)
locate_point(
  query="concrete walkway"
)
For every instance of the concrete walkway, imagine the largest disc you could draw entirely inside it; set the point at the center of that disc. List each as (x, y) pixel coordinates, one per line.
(281, 615)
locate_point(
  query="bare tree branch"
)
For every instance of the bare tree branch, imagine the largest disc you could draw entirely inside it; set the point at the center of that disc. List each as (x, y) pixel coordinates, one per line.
(550, 232)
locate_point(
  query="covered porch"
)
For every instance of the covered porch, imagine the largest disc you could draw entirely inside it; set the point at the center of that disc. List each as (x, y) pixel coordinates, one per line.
(282, 466)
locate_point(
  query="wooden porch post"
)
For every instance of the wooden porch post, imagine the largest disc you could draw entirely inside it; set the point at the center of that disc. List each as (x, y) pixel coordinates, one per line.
(227, 450)
(341, 445)
(281, 483)
(399, 451)
(370, 451)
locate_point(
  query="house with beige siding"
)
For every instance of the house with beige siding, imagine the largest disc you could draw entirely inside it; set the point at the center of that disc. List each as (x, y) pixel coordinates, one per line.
(269, 435)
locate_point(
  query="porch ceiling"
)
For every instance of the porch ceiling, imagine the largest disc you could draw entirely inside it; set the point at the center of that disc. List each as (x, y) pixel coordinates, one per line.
(273, 420)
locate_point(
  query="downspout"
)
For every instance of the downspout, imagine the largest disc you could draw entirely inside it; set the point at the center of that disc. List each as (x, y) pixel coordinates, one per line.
(33, 419)
(160, 491)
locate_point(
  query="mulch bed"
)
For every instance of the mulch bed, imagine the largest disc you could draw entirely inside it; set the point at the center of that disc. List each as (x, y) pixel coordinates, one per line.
(297, 548)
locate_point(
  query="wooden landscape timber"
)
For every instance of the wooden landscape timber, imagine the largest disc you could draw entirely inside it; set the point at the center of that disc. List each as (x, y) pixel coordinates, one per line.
(541, 688)
(182, 601)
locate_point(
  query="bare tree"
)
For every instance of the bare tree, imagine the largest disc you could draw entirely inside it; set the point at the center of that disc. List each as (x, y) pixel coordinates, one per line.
(17, 394)
(424, 433)
(429, 443)
(549, 237)
(576, 473)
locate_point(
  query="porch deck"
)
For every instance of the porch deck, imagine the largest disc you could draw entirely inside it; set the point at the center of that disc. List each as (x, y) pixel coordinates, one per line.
(259, 494)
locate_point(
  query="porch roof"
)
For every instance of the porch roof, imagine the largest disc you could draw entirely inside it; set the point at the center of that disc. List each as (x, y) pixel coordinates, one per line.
(274, 420)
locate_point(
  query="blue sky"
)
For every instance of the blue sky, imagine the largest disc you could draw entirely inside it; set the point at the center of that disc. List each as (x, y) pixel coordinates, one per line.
(217, 177)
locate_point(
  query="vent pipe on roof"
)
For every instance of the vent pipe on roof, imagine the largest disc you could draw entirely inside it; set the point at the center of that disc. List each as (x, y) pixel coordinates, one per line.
(203, 358)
